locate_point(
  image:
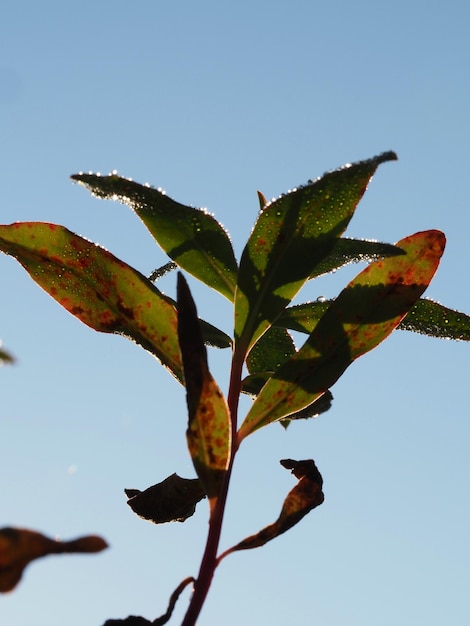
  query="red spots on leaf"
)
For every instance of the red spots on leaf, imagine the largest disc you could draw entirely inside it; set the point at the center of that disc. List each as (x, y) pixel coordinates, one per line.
(106, 317)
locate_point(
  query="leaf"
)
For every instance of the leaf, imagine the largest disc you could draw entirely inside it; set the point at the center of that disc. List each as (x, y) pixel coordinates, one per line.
(303, 317)
(209, 429)
(347, 251)
(270, 351)
(304, 497)
(433, 319)
(211, 335)
(292, 235)
(5, 357)
(191, 237)
(19, 546)
(133, 620)
(214, 337)
(318, 406)
(425, 317)
(172, 500)
(101, 290)
(362, 316)
(273, 349)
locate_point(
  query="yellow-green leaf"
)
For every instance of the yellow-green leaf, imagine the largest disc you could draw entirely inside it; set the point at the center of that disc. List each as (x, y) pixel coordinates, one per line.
(98, 288)
(362, 316)
(209, 429)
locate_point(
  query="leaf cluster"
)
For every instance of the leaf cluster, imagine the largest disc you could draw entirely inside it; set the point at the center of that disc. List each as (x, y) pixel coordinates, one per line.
(295, 239)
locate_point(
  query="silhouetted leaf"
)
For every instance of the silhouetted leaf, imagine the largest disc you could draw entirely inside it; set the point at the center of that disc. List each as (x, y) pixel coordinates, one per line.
(132, 620)
(347, 251)
(209, 430)
(319, 406)
(159, 272)
(19, 546)
(304, 497)
(101, 290)
(5, 357)
(433, 319)
(172, 500)
(362, 316)
(191, 237)
(292, 235)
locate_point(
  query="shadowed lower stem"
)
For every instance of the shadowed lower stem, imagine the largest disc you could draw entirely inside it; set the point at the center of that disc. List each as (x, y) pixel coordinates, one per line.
(209, 560)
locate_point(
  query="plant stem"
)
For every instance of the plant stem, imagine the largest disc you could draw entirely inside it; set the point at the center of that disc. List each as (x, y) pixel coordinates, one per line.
(209, 560)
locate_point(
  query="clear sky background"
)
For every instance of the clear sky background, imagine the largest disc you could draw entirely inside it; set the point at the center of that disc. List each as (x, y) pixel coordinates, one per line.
(213, 101)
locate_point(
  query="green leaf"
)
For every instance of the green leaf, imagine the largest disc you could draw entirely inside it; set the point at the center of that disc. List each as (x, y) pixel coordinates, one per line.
(270, 351)
(362, 316)
(191, 237)
(273, 349)
(99, 289)
(303, 317)
(209, 429)
(348, 250)
(304, 497)
(292, 235)
(425, 317)
(267, 355)
(433, 319)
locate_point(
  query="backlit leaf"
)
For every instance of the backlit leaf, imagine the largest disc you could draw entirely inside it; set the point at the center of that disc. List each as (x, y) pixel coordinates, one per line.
(209, 430)
(425, 317)
(433, 319)
(191, 237)
(303, 317)
(101, 290)
(270, 351)
(19, 546)
(347, 251)
(292, 235)
(304, 497)
(362, 316)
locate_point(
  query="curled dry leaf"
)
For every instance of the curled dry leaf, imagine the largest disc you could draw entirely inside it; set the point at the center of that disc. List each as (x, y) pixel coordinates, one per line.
(304, 497)
(19, 546)
(172, 500)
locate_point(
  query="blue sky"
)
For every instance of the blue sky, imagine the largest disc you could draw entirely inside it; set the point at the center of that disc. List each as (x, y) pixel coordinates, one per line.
(213, 101)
